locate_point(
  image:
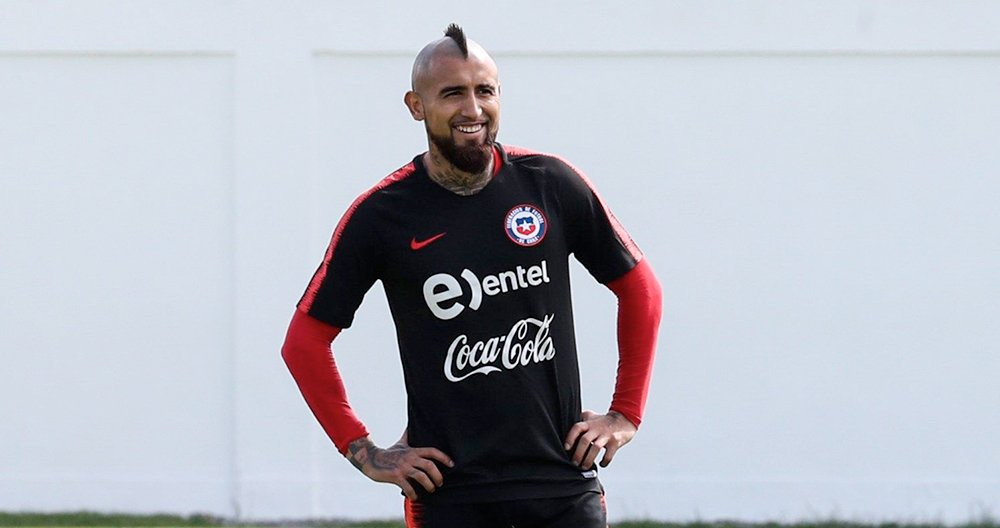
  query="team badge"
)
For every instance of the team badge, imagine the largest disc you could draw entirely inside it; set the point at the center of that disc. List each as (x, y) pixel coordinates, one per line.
(526, 225)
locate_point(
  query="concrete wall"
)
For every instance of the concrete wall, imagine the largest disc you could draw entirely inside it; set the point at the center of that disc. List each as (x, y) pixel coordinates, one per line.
(815, 183)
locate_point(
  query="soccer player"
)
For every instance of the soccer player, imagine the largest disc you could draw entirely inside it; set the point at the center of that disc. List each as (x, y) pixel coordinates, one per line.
(471, 241)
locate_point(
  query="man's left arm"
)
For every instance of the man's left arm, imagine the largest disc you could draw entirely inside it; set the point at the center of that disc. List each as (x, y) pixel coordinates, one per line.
(640, 305)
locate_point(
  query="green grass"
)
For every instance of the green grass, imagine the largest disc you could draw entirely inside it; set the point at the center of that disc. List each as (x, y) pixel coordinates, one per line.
(122, 520)
(100, 519)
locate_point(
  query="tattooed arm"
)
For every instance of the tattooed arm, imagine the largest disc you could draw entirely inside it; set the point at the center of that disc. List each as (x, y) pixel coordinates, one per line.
(400, 464)
(310, 360)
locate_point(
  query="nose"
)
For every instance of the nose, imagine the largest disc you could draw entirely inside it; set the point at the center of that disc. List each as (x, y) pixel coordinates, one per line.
(471, 108)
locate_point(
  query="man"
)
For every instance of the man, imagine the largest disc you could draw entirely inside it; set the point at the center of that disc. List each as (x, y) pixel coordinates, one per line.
(471, 241)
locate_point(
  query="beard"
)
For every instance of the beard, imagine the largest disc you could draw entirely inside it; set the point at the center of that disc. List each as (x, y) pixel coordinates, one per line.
(473, 159)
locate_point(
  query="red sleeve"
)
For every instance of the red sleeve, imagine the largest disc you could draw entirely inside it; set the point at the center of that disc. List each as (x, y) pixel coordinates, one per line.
(640, 304)
(309, 358)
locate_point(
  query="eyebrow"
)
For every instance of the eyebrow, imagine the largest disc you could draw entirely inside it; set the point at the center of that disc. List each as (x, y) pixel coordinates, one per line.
(447, 89)
(461, 88)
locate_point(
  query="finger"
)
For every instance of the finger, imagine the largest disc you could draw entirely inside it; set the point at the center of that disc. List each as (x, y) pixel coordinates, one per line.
(588, 461)
(584, 444)
(609, 453)
(407, 489)
(429, 467)
(574, 433)
(421, 478)
(435, 454)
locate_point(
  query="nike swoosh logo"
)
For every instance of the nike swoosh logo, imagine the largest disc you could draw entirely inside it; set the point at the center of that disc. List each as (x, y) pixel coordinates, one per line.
(417, 245)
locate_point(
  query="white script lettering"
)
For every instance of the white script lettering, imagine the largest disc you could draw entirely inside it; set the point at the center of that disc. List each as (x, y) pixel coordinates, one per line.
(515, 349)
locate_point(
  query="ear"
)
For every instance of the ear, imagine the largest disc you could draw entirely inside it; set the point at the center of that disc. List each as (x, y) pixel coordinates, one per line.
(414, 105)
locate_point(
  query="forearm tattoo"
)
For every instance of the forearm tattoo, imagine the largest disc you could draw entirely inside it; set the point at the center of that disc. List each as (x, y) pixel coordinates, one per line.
(363, 451)
(359, 452)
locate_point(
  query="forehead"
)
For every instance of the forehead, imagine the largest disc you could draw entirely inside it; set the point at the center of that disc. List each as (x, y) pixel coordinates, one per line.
(454, 70)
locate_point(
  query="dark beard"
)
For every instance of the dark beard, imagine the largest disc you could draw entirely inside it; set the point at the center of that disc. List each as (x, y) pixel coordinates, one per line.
(473, 159)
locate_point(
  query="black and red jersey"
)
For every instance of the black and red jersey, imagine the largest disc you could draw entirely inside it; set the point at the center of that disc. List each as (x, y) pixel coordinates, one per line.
(479, 291)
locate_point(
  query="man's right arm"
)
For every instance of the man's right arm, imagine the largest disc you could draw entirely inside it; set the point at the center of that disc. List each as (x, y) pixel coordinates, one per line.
(309, 357)
(400, 464)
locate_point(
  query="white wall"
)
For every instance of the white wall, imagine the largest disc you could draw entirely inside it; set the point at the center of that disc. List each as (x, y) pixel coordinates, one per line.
(815, 183)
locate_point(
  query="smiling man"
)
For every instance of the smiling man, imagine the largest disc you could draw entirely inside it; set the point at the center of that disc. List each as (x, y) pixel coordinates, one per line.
(456, 93)
(471, 241)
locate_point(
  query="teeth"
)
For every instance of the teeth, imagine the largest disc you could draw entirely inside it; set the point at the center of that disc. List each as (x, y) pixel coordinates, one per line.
(470, 129)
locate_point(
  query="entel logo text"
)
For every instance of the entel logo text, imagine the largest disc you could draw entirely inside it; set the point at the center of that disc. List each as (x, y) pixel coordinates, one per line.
(443, 287)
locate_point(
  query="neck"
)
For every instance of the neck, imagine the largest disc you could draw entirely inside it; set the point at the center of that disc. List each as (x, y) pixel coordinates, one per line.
(442, 172)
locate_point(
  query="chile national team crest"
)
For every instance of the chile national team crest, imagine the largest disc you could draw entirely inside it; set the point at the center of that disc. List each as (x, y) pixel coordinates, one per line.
(525, 225)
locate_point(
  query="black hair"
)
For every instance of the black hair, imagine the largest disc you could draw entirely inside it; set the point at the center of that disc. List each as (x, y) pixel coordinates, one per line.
(454, 32)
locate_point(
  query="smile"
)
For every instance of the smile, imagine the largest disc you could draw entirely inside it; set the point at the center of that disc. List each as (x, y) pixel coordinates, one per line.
(470, 129)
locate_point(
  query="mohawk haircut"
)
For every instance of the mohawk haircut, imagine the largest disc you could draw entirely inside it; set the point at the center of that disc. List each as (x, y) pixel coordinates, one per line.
(454, 32)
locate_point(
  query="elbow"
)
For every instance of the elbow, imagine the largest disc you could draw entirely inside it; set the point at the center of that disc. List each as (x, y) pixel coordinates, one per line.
(290, 355)
(640, 289)
(656, 296)
(286, 353)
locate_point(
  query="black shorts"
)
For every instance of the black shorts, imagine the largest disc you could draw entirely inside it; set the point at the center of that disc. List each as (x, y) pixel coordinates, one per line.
(586, 510)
